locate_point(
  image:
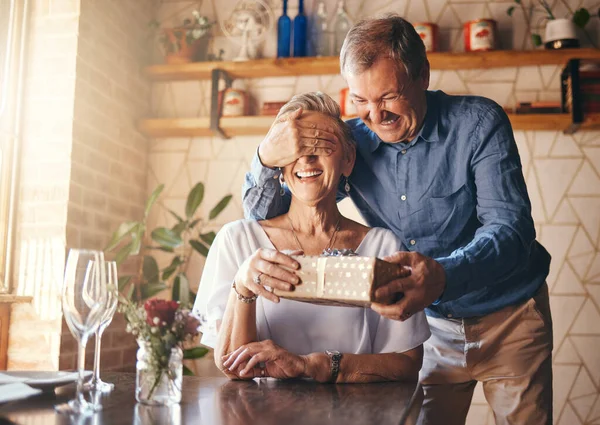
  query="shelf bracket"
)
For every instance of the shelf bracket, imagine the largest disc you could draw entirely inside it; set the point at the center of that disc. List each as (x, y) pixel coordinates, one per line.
(216, 107)
(571, 94)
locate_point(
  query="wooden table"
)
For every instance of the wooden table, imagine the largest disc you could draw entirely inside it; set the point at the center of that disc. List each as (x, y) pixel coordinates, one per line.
(217, 401)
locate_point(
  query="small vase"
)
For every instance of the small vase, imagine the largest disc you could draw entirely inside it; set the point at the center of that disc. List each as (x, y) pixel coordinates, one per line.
(560, 34)
(156, 385)
(178, 49)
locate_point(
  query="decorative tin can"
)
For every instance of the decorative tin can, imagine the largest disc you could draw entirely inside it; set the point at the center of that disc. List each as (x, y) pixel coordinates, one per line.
(346, 105)
(480, 35)
(429, 34)
(235, 102)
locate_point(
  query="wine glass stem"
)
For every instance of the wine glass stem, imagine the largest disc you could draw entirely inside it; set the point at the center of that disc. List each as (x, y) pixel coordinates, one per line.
(99, 333)
(80, 369)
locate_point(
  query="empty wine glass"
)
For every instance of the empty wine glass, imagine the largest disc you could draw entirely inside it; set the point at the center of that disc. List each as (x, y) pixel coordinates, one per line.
(84, 300)
(96, 384)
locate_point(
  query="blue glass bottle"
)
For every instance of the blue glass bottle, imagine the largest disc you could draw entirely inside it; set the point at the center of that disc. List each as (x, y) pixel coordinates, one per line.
(300, 23)
(284, 33)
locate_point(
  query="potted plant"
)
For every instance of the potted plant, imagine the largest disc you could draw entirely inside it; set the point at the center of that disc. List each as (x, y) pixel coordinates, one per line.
(186, 43)
(559, 33)
(186, 236)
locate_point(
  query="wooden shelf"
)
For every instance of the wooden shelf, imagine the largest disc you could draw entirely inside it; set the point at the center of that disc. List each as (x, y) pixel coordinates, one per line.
(259, 125)
(330, 65)
(198, 127)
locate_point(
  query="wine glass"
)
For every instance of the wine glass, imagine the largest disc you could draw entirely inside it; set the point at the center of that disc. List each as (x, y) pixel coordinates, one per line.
(84, 300)
(96, 384)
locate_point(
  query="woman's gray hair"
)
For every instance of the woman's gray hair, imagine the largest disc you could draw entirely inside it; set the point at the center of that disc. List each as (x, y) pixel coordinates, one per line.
(323, 104)
(387, 37)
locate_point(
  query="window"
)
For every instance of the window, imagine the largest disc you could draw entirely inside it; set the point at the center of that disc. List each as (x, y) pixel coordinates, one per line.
(12, 15)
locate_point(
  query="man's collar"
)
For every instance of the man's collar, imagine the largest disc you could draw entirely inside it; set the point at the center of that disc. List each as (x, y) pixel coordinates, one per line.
(428, 132)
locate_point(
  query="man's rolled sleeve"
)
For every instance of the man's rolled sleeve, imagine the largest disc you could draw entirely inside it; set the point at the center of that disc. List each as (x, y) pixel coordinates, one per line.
(261, 197)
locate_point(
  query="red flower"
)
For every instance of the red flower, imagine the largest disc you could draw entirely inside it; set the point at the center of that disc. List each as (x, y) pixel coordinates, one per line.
(163, 310)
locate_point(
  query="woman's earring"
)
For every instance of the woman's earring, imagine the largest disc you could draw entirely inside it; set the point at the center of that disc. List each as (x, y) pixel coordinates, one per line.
(347, 185)
(281, 189)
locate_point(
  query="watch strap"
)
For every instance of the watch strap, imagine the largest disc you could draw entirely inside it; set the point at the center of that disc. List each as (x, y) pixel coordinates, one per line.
(335, 357)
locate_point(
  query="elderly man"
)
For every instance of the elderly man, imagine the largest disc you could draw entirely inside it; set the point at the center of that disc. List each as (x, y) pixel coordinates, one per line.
(443, 173)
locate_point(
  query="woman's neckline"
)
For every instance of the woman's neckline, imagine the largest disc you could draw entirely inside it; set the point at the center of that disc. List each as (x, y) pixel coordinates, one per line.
(266, 236)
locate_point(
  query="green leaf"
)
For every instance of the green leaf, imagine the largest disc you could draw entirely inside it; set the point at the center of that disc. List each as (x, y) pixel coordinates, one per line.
(219, 207)
(518, 1)
(161, 248)
(150, 269)
(151, 289)
(136, 240)
(171, 268)
(194, 353)
(166, 237)
(199, 246)
(123, 230)
(124, 281)
(192, 298)
(510, 10)
(581, 17)
(536, 40)
(208, 238)
(193, 224)
(194, 200)
(152, 199)
(181, 289)
(179, 227)
(177, 217)
(187, 371)
(175, 289)
(124, 253)
(129, 293)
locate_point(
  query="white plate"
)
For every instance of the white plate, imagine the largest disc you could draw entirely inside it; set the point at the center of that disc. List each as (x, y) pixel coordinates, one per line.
(45, 381)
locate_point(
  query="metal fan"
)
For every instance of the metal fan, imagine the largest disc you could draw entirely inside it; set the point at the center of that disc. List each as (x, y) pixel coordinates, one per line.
(248, 24)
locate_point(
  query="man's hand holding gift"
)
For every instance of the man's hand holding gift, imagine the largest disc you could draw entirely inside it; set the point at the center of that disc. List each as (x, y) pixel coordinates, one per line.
(420, 289)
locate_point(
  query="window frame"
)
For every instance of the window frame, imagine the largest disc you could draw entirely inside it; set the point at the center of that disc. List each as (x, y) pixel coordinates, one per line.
(13, 44)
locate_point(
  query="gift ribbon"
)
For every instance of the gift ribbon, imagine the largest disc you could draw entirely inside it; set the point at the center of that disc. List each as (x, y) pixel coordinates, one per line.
(321, 263)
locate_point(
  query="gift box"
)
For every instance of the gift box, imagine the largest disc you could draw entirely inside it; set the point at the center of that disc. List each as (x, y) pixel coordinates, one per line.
(340, 281)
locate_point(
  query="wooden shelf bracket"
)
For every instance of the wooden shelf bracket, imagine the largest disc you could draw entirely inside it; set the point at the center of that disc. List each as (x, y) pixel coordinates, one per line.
(216, 107)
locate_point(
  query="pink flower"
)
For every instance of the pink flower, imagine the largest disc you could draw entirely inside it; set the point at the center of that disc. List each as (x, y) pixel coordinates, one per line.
(192, 324)
(162, 310)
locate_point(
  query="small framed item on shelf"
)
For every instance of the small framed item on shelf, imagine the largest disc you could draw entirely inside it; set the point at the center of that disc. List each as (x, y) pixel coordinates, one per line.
(429, 34)
(480, 35)
(271, 108)
(346, 105)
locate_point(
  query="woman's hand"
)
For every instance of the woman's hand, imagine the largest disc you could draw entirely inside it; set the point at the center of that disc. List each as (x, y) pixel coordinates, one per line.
(278, 363)
(290, 138)
(264, 268)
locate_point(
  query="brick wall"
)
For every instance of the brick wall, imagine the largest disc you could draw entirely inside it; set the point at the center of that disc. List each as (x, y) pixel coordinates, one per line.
(84, 164)
(109, 161)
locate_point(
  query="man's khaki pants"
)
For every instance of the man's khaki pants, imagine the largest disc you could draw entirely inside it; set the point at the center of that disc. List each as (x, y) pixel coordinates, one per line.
(508, 351)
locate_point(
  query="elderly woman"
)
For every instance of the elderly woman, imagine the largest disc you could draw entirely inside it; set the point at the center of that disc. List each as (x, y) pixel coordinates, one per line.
(256, 334)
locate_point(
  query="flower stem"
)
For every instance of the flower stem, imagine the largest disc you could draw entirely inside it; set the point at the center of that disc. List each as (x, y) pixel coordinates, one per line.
(159, 373)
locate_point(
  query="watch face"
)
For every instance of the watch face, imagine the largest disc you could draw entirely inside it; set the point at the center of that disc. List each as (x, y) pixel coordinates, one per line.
(333, 353)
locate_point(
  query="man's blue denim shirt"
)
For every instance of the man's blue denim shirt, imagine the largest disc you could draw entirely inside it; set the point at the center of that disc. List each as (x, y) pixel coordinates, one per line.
(456, 193)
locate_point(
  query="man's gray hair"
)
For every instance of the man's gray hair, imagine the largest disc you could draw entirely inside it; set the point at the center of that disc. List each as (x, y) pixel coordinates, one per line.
(388, 37)
(323, 104)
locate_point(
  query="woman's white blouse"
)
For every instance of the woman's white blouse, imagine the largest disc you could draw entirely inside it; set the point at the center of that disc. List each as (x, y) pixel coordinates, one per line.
(299, 327)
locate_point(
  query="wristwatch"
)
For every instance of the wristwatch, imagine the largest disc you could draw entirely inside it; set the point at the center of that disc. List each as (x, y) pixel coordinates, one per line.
(335, 357)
